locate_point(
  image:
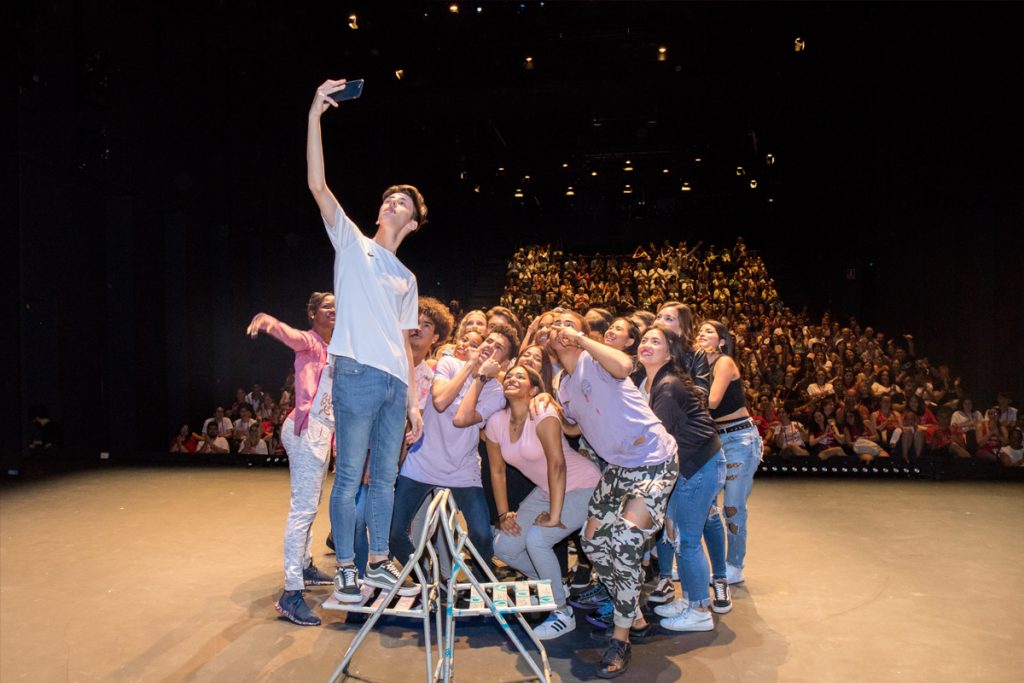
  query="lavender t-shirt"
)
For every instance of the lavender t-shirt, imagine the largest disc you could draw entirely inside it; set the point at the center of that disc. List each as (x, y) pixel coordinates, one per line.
(447, 455)
(614, 417)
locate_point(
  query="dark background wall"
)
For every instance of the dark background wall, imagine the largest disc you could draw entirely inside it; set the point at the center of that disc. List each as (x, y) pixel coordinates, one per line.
(161, 184)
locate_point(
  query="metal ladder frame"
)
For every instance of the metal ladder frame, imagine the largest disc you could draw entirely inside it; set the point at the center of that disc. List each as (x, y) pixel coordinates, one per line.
(458, 540)
(429, 596)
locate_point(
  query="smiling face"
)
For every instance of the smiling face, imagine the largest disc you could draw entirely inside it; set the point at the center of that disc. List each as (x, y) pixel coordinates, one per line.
(469, 340)
(517, 384)
(532, 357)
(323, 317)
(708, 339)
(654, 351)
(475, 321)
(496, 347)
(618, 335)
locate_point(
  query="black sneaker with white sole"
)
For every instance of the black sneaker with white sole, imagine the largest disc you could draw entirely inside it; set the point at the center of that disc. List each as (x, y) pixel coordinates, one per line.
(346, 584)
(384, 575)
(722, 602)
(311, 576)
(582, 577)
(663, 592)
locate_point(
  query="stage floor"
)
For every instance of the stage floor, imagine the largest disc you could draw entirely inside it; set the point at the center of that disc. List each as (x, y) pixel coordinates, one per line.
(170, 574)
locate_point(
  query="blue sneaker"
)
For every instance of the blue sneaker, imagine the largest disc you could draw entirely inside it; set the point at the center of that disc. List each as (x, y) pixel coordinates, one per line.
(590, 599)
(293, 607)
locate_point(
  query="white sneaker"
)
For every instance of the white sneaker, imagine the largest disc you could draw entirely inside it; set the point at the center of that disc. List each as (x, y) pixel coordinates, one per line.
(674, 608)
(558, 624)
(733, 574)
(691, 619)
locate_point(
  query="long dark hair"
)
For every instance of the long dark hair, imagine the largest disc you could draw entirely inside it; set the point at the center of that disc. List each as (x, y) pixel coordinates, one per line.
(685, 316)
(677, 352)
(724, 335)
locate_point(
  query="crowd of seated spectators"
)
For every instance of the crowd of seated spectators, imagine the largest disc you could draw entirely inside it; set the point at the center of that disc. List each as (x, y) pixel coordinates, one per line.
(820, 389)
(250, 426)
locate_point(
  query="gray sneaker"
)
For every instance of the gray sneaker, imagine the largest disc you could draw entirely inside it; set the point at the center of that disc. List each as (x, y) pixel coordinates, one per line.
(346, 584)
(384, 575)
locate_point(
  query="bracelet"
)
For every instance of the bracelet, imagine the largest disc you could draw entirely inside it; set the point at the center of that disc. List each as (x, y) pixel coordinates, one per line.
(503, 515)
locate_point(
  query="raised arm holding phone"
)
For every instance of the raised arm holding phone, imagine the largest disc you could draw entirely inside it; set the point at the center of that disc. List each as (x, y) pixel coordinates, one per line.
(373, 391)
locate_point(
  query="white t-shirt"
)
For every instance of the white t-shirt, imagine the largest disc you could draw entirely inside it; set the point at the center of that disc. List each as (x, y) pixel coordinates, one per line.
(376, 298)
(960, 418)
(223, 427)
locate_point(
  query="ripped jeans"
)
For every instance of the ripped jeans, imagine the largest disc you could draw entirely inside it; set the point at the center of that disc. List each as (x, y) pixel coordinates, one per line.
(742, 456)
(688, 511)
(616, 546)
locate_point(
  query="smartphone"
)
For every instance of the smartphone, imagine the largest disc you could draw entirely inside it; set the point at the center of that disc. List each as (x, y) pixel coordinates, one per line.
(353, 89)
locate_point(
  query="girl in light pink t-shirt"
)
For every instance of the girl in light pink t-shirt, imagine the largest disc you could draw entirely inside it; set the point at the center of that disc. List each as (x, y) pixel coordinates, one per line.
(557, 507)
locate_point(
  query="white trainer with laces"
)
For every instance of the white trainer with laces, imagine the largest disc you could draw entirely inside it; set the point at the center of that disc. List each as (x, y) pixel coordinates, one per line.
(560, 622)
(733, 574)
(674, 608)
(691, 619)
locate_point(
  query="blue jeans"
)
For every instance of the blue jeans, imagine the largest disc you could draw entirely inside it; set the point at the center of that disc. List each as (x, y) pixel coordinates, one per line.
(688, 509)
(409, 495)
(369, 415)
(742, 456)
(362, 543)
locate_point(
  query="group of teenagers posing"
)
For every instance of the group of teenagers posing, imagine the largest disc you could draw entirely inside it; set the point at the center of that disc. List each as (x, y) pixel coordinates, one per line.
(658, 412)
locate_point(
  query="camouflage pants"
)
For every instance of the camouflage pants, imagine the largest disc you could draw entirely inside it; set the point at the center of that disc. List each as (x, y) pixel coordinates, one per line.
(617, 546)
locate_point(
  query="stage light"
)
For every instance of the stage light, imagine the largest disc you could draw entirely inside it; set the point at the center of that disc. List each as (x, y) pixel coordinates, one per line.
(698, 160)
(628, 167)
(753, 183)
(799, 45)
(569, 192)
(686, 187)
(593, 173)
(528, 64)
(479, 9)
(664, 170)
(741, 171)
(453, 8)
(526, 178)
(476, 188)
(399, 73)
(501, 169)
(519, 193)
(770, 160)
(353, 22)
(627, 189)
(855, 469)
(565, 165)
(462, 175)
(662, 54)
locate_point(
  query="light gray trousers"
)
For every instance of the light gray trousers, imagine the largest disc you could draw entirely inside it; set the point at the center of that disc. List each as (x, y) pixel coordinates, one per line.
(531, 552)
(308, 455)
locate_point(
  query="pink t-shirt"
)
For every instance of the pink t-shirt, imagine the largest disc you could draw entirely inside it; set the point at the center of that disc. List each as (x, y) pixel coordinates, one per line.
(527, 454)
(310, 358)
